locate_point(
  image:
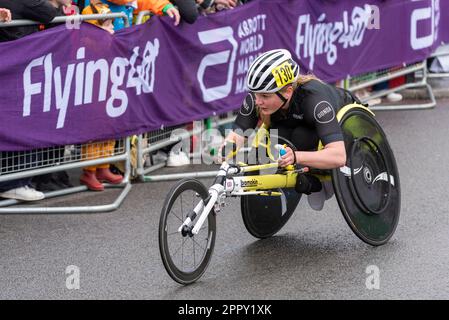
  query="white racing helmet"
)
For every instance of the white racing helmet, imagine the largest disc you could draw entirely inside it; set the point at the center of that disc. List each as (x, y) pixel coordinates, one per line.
(272, 71)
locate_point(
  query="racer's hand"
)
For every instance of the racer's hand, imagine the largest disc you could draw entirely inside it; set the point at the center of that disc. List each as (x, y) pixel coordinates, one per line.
(174, 14)
(226, 151)
(288, 158)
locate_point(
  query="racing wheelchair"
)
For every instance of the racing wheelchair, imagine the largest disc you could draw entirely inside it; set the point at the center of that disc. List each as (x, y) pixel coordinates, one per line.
(367, 191)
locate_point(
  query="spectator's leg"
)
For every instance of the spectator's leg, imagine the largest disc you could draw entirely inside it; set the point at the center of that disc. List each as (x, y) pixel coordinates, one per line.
(20, 190)
(88, 178)
(104, 174)
(14, 184)
(16, 189)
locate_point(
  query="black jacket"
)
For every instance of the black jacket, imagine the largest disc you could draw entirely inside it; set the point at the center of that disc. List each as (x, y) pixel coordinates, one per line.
(38, 10)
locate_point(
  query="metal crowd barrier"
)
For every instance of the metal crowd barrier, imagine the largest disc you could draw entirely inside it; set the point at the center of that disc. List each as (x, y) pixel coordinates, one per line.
(156, 140)
(370, 79)
(142, 15)
(17, 165)
(165, 137)
(62, 19)
(25, 164)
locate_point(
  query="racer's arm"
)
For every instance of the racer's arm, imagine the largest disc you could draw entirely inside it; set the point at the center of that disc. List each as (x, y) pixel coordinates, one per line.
(332, 156)
(321, 113)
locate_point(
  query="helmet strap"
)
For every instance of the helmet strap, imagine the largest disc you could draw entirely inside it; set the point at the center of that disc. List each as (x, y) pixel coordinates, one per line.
(283, 99)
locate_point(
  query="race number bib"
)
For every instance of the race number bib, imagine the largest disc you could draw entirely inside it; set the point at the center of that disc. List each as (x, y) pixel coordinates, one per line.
(283, 74)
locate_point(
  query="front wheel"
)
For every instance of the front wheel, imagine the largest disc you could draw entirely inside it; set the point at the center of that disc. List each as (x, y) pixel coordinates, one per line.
(185, 257)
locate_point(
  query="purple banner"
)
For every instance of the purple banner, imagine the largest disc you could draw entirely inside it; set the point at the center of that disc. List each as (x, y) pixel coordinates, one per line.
(68, 86)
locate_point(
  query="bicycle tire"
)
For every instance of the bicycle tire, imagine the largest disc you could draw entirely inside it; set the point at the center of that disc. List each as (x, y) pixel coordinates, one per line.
(178, 273)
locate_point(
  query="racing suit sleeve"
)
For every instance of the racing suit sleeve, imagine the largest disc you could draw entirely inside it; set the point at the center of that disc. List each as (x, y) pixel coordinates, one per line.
(247, 117)
(321, 113)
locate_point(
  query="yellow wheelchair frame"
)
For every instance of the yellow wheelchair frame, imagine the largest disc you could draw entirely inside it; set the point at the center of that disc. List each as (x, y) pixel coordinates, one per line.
(230, 182)
(287, 179)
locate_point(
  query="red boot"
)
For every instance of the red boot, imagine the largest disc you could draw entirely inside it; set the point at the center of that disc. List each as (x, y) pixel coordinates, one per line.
(105, 175)
(90, 180)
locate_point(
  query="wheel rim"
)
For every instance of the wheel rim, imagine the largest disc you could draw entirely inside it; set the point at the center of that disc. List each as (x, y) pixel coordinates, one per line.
(371, 163)
(186, 257)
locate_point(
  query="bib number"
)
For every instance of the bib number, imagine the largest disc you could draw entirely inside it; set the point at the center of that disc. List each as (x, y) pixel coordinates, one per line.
(283, 74)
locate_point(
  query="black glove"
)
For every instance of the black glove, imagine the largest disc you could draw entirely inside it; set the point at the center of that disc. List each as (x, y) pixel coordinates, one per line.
(307, 183)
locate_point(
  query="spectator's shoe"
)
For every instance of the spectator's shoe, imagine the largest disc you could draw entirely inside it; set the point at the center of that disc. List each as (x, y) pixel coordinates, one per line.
(47, 186)
(178, 159)
(394, 97)
(57, 181)
(23, 193)
(90, 180)
(105, 175)
(62, 179)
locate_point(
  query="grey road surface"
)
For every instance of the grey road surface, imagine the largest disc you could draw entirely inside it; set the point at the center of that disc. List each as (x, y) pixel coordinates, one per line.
(315, 256)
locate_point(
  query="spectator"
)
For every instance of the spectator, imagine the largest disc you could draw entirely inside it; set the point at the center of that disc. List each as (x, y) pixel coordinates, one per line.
(218, 5)
(126, 6)
(97, 7)
(159, 7)
(38, 10)
(188, 10)
(93, 176)
(55, 180)
(5, 15)
(130, 7)
(19, 189)
(62, 6)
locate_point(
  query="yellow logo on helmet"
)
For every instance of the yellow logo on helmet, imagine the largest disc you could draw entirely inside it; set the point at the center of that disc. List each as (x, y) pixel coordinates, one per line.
(283, 74)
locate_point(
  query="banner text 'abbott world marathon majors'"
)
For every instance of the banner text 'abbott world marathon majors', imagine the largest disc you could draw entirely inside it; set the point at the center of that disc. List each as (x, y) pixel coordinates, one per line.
(68, 86)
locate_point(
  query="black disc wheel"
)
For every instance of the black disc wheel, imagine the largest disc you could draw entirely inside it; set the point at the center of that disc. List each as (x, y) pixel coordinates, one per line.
(368, 188)
(264, 216)
(185, 256)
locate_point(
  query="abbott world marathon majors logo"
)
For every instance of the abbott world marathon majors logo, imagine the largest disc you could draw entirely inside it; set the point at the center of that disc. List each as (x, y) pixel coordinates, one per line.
(425, 18)
(246, 43)
(324, 112)
(248, 105)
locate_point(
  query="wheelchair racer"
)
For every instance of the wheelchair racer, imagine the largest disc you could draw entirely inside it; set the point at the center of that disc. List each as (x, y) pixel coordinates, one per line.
(303, 109)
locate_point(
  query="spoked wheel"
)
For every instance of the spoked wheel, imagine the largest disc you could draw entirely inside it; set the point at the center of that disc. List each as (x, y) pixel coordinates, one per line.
(185, 256)
(368, 188)
(264, 216)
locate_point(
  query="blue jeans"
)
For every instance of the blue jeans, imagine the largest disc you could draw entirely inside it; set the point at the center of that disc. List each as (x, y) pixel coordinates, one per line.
(8, 185)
